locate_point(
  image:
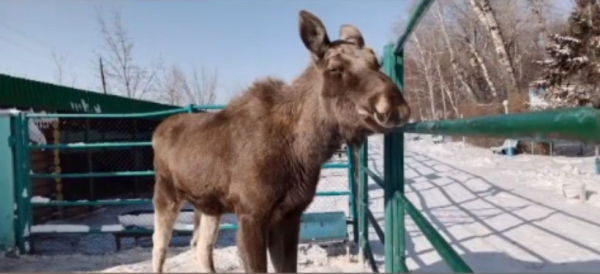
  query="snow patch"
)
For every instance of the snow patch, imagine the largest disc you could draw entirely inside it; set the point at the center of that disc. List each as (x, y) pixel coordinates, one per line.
(112, 228)
(59, 228)
(40, 200)
(26, 230)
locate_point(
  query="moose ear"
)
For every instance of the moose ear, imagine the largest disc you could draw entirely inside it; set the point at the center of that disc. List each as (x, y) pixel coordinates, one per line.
(351, 34)
(313, 34)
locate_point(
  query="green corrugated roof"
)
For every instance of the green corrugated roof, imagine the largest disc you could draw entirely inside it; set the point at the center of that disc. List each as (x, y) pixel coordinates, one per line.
(25, 93)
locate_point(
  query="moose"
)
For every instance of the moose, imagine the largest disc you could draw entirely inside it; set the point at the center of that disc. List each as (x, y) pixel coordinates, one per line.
(260, 157)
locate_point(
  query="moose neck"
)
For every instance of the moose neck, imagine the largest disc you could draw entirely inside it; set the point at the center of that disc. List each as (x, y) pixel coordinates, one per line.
(316, 134)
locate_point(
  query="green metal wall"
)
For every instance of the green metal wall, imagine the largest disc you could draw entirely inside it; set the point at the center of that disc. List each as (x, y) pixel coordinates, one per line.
(7, 216)
(24, 93)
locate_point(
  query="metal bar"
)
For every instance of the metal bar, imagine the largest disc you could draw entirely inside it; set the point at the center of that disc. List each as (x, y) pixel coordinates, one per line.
(333, 193)
(93, 203)
(20, 177)
(364, 199)
(581, 124)
(38, 230)
(378, 180)
(92, 145)
(352, 187)
(389, 190)
(7, 187)
(371, 258)
(90, 163)
(454, 261)
(414, 20)
(210, 107)
(107, 115)
(395, 249)
(130, 173)
(92, 174)
(398, 157)
(335, 165)
(375, 225)
(27, 187)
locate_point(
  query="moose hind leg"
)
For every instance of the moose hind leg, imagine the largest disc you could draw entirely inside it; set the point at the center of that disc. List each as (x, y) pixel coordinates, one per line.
(283, 245)
(166, 212)
(252, 244)
(291, 230)
(276, 254)
(207, 234)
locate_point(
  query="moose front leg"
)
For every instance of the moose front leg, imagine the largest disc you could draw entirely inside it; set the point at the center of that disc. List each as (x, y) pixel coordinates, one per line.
(252, 243)
(195, 235)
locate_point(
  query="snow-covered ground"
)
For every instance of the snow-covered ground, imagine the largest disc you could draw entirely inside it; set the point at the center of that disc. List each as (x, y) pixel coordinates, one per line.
(502, 214)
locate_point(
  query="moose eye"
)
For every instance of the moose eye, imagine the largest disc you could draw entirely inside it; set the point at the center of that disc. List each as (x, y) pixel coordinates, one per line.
(335, 70)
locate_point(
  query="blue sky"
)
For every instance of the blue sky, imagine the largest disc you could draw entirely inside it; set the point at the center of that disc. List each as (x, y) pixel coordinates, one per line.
(243, 39)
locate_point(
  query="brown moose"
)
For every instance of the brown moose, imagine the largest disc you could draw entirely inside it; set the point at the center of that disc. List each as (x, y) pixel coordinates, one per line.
(261, 156)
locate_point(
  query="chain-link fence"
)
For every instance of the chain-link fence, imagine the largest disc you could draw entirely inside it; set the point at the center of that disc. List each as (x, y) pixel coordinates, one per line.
(95, 202)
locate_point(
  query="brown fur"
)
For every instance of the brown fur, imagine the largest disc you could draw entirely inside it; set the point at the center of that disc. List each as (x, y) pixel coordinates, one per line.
(261, 156)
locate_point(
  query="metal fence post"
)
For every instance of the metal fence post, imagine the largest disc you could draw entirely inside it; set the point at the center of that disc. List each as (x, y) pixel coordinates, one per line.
(28, 189)
(399, 166)
(352, 186)
(21, 191)
(7, 190)
(395, 246)
(363, 192)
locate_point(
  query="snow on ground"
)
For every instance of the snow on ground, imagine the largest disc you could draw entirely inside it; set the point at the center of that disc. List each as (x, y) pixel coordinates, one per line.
(502, 214)
(96, 252)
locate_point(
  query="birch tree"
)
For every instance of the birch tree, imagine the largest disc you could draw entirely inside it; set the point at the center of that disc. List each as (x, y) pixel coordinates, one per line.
(485, 13)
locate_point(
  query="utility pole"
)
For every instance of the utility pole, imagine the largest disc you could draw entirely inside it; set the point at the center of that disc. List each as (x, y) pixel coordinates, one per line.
(102, 76)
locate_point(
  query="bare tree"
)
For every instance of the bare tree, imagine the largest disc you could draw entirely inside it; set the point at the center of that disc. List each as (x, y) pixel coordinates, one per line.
(538, 8)
(460, 73)
(59, 63)
(427, 71)
(171, 87)
(178, 88)
(471, 45)
(203, 87)
(123, 73)
(455, 66)
(486, 15)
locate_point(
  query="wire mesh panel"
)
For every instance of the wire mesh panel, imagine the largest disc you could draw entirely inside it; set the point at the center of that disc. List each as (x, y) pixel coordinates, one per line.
(77, 189)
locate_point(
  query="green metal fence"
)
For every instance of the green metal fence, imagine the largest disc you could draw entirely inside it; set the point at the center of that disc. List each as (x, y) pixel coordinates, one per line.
(572, 124)
(27, 228)
(580, 124)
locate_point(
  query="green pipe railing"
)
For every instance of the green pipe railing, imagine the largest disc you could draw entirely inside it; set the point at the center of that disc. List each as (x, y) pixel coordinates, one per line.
(134, 173)
(92, 145)
(413, 22)
(93, 203)
(580, 124)
(124, 230)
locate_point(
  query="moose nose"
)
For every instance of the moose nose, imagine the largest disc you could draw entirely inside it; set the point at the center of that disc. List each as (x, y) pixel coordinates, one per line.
(390, 112)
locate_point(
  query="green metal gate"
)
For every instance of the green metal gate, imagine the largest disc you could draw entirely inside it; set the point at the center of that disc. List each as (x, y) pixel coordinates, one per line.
(322, 227)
